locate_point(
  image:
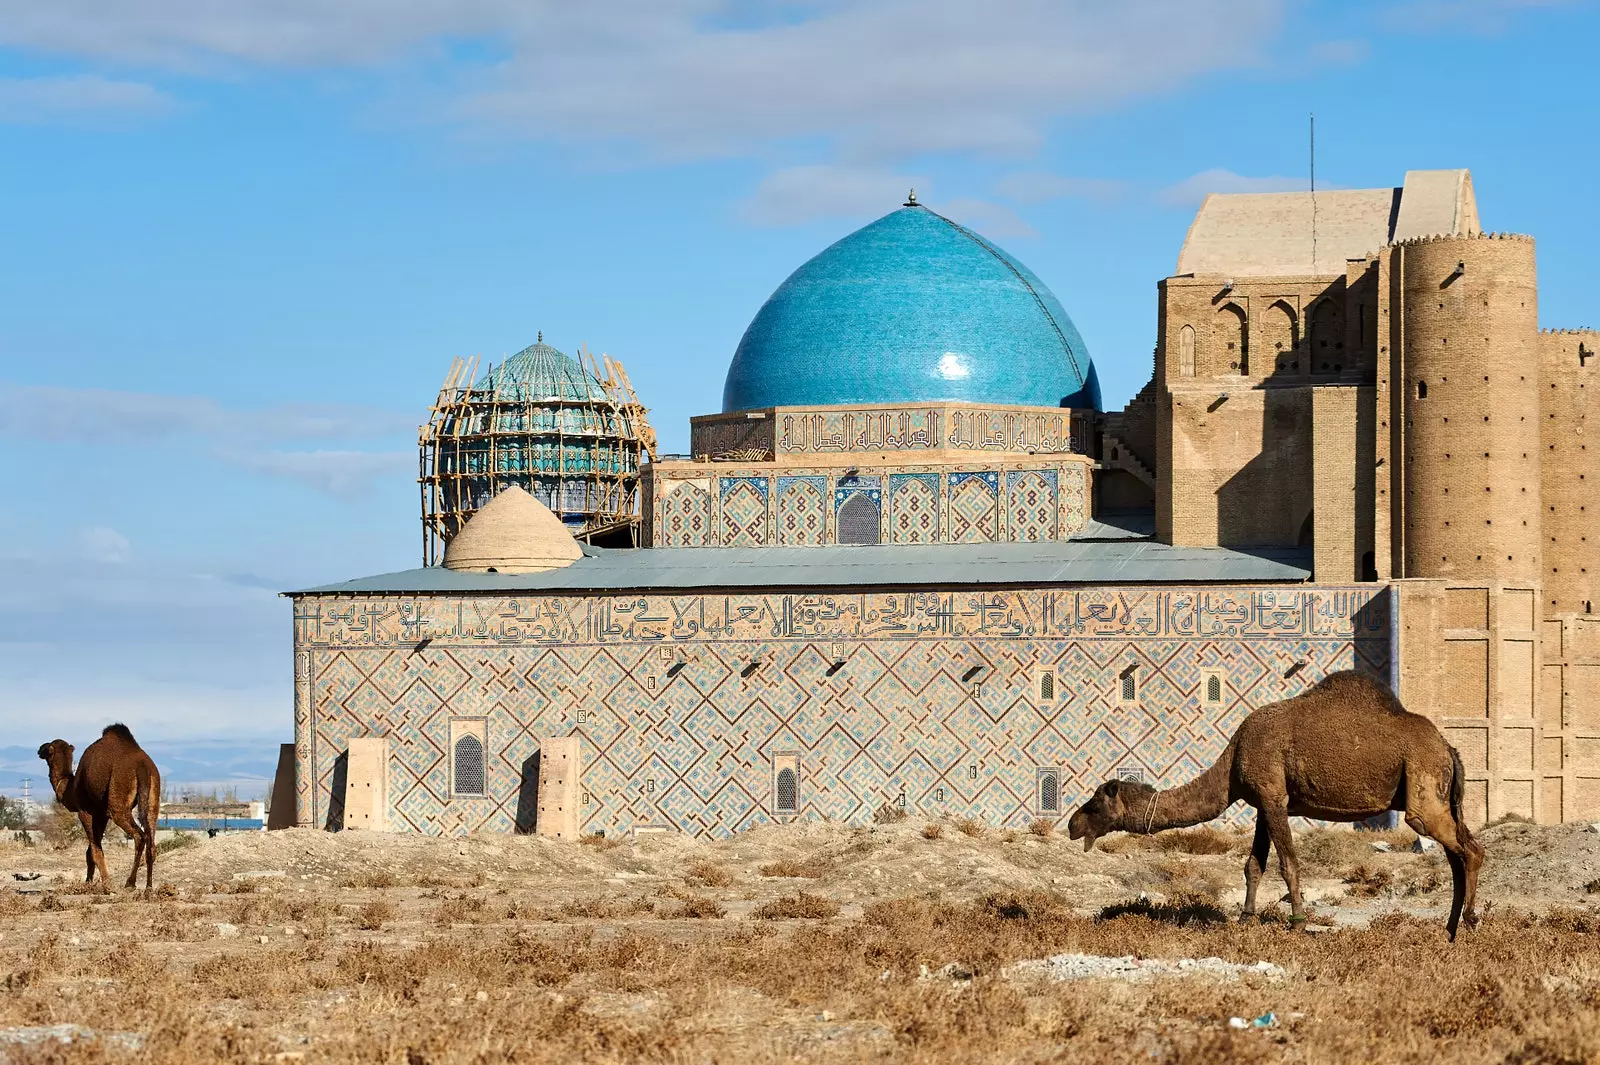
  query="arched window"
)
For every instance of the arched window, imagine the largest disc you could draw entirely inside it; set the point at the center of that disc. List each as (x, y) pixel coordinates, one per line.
(1231, 351)
(1213, 689)
(1186, 351)
(1280, 331)
(1049, 793)
(468, 766)
(1129, 690)
(788, 792)
(1047, 685)
(859, 520)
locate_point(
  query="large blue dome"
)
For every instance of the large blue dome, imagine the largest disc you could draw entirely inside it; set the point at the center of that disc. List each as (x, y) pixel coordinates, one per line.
(909, 309)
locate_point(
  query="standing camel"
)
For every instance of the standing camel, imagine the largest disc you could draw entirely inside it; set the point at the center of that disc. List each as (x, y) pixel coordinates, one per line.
(114, 775)
(1345, 750)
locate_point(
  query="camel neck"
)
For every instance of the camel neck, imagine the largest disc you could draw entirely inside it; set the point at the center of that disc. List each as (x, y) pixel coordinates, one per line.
(1200, 800)
(61, 782)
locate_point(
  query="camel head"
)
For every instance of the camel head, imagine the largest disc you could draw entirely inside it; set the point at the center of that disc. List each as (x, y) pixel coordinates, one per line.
(57, 754)
(1109, 809)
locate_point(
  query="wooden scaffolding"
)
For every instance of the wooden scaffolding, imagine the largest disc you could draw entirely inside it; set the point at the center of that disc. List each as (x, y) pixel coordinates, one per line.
(580, 456)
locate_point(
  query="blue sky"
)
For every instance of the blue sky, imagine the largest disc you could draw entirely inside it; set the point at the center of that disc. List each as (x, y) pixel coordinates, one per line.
(241, 243)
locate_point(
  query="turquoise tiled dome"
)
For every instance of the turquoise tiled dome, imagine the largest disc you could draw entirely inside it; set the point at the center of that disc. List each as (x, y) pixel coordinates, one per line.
(908, 309)
(539, 371)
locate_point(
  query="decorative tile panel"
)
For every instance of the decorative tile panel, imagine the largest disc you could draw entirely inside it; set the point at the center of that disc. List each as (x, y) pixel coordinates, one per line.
(744, 511)
(872, 691)
(974, 508)
(914, 508)
(685, 515)
(802, 511)
(1031, 505)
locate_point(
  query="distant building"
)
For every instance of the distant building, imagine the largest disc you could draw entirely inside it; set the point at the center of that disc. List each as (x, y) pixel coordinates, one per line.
(911, 562)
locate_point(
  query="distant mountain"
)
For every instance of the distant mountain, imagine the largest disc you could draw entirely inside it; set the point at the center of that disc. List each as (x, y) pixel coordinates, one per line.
(246, 765)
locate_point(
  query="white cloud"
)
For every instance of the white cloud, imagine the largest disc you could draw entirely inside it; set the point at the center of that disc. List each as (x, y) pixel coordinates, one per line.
(105, 545)
(1036, 186)
(79, 97)
(342, 474)
(1192, 190)
(988, 219)
(802, 194)
(97, 415)
(877, 80)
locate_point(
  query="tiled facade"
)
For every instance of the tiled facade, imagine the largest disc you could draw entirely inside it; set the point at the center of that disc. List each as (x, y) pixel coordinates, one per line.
(686, 704)
(1015, 500)
(801, 431)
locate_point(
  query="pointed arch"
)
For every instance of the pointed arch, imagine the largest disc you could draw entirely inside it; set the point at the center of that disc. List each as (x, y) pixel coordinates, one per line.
(1280, 334)
(860, 520)
(1231, 335)
(1186, 351)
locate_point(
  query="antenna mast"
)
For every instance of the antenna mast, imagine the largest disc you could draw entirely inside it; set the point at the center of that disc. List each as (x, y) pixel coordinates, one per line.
(1313, 192)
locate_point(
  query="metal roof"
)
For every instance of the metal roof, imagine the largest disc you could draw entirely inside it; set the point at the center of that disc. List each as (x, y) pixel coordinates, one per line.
(1099, 561)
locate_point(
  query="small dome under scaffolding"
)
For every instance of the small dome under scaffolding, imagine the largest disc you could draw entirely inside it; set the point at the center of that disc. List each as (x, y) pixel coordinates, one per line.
(569, 432)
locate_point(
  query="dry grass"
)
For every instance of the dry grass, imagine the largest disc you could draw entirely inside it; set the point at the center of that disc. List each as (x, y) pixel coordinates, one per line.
(1366, 882)
(888, 814)
(970, 827)
(799, 905)
(922, 976)
(1043, 827)
(374, 915)
(708, 874)
(599, 842)
(932, 831)
(696, 906)
(370, 878)
(808, 869)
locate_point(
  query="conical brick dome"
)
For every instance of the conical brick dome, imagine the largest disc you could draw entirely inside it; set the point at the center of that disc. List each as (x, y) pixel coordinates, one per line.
(514, 533)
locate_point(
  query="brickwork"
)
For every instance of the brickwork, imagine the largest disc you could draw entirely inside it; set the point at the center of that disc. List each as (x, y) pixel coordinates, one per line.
(683, 705)
(1569, 715)
(947, 497)
(1470, 658)
(1236, 466)
(1471, 408)
(1569, 469)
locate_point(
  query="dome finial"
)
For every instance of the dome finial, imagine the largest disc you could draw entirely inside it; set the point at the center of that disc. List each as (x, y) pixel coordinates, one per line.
(541, 336)
(911, 199)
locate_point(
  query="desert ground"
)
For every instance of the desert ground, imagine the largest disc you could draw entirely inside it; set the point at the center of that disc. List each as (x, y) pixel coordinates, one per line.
(898, 942)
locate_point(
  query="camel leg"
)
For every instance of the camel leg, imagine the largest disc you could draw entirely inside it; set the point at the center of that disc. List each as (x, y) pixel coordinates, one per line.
(1277, 818)
(1429, 815)
(97, 854)
(124, 820)
(87, 825)
(1260, 848)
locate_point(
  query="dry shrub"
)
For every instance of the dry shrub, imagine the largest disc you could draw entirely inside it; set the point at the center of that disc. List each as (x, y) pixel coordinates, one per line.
(706, 874)
(370, 878)
(696, 906)
(1592, 887)
(60, 827)
(799, 905)
(604, 909)
(1366, 882)
(889, 814)
(970, 826)
(1042, 826)
(176, 842)
(1181, 911)
(462, 909)
(932, 832)
(12, 904)
(599, 842)
(1332, 849)
(809, 869)
(374, 915)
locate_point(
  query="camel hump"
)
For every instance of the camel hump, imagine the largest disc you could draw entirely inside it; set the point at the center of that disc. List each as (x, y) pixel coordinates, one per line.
(1355, 685)
(120, 731)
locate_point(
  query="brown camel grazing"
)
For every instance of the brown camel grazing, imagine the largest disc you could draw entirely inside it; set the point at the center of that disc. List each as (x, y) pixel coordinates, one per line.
(114, 775)
(1345, 750)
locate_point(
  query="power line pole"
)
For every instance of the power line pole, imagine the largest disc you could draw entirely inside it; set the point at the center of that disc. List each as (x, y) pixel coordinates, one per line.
(1313, 192)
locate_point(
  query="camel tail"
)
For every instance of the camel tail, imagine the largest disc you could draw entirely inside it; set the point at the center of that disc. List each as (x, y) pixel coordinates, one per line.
(1458, 794)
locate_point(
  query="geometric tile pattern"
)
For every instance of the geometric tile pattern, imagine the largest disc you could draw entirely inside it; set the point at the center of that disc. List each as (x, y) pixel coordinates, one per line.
(1031, 506)
(974, 508)
(744, 511)
(1038, 499)
(914, 508)
(802, 517)
(685, 516)
(683, 702)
